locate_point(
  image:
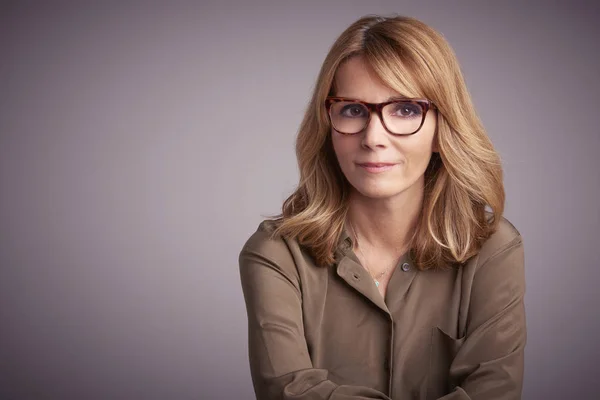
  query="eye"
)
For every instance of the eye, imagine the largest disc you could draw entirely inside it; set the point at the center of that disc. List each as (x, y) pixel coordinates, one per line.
(353, 110)
(405, 109)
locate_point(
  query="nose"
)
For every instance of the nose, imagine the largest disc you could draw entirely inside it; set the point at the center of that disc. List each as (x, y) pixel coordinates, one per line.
(374, 134)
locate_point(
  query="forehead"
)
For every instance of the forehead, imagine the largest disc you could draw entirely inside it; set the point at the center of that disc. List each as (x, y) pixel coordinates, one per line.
(355, 79)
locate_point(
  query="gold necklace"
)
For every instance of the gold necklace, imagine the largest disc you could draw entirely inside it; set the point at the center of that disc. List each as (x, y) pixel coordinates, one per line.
(375, 278)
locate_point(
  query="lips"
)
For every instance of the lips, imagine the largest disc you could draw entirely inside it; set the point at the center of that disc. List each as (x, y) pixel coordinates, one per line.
(376, 167)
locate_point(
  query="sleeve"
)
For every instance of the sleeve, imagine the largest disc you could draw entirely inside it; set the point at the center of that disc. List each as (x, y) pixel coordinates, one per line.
(280, 364)
(490, 362)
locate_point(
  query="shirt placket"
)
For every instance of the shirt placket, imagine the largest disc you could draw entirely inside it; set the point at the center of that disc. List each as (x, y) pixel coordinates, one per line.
(356, 276)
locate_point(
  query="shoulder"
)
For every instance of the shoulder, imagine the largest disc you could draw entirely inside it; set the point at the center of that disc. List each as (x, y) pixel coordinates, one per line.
(494, 288)
(265, 245)
(265, 262)
(500, 261)
(503, 239)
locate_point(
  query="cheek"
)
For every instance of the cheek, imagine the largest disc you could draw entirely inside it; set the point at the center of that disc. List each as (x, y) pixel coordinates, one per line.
(418, 155)
(343, 147)
(421, 150)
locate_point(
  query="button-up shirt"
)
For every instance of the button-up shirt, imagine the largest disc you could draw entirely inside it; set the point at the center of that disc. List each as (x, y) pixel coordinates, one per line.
(327, 333)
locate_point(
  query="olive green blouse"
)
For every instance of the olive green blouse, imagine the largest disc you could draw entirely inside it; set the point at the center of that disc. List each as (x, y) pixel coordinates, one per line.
(327, 333)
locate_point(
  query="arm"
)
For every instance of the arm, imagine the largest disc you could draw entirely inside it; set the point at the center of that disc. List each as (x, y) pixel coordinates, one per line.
(489, 364)
(280, 364)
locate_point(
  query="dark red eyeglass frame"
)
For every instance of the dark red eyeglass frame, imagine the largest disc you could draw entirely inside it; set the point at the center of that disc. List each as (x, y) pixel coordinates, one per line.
(425, 104)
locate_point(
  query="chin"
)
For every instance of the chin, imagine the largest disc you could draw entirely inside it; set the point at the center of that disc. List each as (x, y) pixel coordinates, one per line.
(379, 193)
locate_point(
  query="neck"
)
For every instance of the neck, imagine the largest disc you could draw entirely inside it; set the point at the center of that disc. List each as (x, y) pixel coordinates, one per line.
(386, 223)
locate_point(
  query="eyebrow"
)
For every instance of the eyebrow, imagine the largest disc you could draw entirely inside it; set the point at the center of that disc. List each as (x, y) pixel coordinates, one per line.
(391, 98)
(399, 97)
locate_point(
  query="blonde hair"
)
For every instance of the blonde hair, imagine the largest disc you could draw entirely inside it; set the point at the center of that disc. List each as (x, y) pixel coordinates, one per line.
(461, 180)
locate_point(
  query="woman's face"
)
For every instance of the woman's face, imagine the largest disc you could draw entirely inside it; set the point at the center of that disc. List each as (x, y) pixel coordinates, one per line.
(408, 156)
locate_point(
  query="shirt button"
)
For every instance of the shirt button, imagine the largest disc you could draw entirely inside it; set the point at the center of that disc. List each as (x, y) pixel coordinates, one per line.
(405, 267)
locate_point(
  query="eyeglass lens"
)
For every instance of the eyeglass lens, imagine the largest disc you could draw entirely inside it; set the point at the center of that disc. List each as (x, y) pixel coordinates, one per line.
(401, 117)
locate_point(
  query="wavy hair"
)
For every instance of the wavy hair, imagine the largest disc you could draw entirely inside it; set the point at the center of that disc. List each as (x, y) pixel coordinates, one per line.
(462, 179)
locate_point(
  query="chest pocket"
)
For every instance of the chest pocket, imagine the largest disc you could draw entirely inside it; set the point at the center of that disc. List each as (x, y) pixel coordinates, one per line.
(443, 349)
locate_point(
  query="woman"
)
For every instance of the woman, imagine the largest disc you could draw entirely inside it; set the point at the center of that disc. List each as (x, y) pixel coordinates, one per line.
(391, 272)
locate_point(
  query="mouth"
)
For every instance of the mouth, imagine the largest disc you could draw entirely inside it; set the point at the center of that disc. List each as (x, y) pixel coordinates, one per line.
(376, 167)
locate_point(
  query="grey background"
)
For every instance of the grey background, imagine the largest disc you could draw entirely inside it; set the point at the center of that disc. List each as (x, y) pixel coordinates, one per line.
(141, 144)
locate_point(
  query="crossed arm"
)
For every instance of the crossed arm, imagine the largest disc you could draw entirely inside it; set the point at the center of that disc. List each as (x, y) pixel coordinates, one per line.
(488, 365)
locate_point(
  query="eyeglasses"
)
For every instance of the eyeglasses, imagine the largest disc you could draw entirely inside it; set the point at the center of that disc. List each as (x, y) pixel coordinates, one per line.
(399, 117)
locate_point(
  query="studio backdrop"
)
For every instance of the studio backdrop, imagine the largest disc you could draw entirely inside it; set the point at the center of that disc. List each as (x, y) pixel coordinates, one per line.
(141, 143)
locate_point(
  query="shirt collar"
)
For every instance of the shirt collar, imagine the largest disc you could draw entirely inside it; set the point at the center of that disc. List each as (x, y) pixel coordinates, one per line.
(345, 244)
